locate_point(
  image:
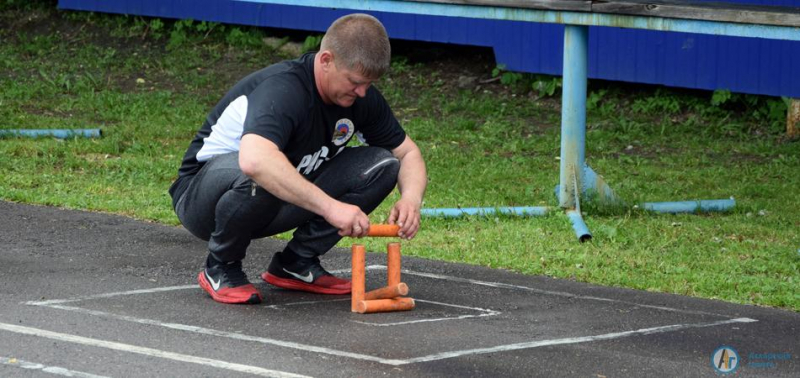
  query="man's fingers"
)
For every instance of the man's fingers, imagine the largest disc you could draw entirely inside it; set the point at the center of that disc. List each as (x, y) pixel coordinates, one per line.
(405, 222)
(408, 231)
(360, 226)
(411, 226)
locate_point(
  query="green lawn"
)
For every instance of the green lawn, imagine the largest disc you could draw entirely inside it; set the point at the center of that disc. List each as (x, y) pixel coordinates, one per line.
(150, 83)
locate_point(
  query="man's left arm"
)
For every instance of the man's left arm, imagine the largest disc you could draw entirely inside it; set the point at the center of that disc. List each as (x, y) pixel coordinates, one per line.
(411, 181)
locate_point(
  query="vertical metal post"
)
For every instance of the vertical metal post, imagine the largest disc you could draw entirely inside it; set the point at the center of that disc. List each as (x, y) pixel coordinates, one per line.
(573, 112)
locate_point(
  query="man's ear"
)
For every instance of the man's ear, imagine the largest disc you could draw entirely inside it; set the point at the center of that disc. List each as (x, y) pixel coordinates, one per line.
(326, 58)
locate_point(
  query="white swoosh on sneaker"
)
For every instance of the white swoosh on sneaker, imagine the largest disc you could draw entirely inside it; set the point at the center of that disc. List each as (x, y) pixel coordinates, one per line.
(308, 278)
(214, 285)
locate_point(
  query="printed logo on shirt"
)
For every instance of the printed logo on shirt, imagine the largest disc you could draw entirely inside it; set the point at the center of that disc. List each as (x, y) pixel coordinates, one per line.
(311, 162)
(343, 131)
(361, 138)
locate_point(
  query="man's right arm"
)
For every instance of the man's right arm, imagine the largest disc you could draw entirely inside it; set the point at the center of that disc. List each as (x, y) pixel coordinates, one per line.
(262, 160)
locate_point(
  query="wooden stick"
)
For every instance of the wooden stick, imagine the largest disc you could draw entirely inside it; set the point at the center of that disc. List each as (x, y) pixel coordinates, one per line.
(387, 292)
(385, 305)
(393, 264)
(383, 230)
(358, 279)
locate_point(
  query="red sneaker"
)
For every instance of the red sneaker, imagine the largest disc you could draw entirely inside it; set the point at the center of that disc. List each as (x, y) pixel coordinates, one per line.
(227, 283)
(304, 275)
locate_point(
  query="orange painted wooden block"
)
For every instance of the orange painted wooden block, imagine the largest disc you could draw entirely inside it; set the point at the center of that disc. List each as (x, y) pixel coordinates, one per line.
(357, 284)
(383, 230)
(385, 305)
(387, 292)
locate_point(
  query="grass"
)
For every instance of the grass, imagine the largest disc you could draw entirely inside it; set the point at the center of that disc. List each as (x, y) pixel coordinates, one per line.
(149, 84)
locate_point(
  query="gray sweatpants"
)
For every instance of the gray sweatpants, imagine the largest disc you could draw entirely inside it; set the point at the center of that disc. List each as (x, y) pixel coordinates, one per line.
(224, 206)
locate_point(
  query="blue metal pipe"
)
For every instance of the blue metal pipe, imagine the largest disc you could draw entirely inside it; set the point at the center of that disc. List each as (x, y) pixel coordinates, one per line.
(573, 112)
(56, 133)
(581, 230)
(554, 17)
(486, 211)
(594, 183)
(690, 206)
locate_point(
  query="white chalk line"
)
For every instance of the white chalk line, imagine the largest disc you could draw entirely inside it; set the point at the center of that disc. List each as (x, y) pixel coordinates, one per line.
(149, 291)
(395, 362)
(111, 295)
(57, 370)
(539, 291)
(573, 340)
(555, 293)
(484, 313)
(459, 306)
(146, 351)
(368, 267)
(230, 335)
(281, 306)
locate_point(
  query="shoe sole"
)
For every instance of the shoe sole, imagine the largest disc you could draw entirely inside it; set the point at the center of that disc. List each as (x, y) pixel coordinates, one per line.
(205, 285)
(292, 284)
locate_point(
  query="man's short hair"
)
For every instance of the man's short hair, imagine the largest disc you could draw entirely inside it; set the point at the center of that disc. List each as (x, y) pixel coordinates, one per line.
(359, 42)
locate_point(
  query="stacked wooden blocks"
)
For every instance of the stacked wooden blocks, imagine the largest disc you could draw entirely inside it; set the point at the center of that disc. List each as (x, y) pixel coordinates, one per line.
(388, 298)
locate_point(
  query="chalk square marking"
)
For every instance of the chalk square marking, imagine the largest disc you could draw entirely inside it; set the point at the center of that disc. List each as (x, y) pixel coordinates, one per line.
(476, 312)
(62, 304)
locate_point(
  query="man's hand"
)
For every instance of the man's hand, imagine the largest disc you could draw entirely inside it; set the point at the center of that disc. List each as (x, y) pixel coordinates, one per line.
(405, 214)
(349, 219)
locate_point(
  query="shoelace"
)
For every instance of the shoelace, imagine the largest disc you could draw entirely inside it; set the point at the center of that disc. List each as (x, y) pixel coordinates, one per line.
(234, 273)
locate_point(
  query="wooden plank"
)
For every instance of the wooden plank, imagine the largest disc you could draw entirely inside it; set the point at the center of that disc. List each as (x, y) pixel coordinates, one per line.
(679, 9)
(723, 12)
(557, 5)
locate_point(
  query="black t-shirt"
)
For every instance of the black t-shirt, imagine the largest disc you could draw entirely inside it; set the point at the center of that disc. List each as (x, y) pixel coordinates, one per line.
(281, 103)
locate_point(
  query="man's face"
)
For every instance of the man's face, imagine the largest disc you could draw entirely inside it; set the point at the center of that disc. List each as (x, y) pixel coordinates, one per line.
(345, 85)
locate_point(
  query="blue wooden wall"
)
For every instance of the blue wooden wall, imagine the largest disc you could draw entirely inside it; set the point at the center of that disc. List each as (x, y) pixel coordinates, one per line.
(743, 65)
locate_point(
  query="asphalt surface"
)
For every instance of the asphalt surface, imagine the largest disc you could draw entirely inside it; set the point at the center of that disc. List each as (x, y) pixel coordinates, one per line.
(87, 294)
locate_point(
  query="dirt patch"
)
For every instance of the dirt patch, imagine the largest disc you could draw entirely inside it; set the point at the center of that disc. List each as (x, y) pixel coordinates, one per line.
(46, 112)
(451, 68)
(649, 152)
